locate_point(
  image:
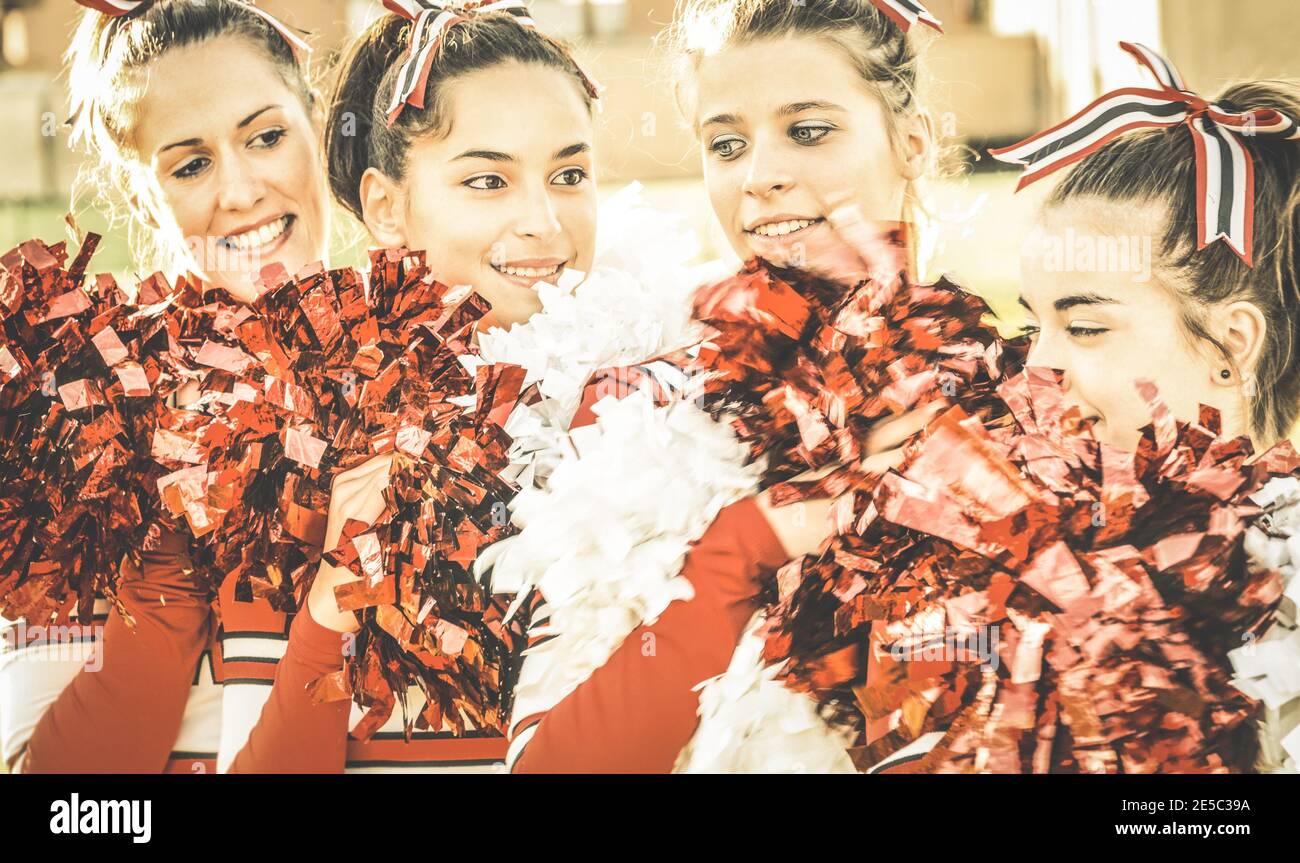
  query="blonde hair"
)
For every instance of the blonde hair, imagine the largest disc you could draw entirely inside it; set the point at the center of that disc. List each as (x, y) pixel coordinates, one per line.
(104, 86)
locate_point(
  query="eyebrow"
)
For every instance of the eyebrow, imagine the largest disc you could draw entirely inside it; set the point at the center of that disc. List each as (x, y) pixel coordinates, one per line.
(571, 150)
(498, 156)
(1066, 303)
(799, 107)
(783, 111)
(194, 142)
(722, 120)
(253, 116)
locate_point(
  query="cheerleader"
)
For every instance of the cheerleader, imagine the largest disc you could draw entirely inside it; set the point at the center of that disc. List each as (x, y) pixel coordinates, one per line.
(799, 167)
(418, 152)
(202, 125)
(1210, 318)
(1134, 273)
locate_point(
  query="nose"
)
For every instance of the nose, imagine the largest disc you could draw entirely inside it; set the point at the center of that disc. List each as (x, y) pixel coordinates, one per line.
(240, 186)
(766, 173)
(537, 217)
(1039, 351)
(1047, 352)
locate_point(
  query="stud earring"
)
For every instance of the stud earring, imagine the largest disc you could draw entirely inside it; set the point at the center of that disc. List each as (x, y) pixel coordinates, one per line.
(1225, 374)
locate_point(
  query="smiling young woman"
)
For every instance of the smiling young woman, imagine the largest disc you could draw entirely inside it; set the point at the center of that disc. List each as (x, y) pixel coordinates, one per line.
(201, 129)
(1210, 321)
(1212, 325)
(783, 151)
(498, 206)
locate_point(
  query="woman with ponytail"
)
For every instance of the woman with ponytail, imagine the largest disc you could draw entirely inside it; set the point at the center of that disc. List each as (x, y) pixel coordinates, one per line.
(420, 151)
(1215, 325)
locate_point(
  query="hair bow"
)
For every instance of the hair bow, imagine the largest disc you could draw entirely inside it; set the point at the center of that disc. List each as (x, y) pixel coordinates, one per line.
(1225, 174)
(121, 8)
(433, 19)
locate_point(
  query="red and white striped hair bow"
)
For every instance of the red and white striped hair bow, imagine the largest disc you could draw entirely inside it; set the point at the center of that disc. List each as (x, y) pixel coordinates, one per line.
(120, 8)
(905, 13)
(433, 19)
(1225, 173)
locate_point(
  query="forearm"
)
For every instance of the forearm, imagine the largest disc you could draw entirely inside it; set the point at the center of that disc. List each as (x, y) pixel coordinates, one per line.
(121, 713)
(636, 712)
(294, 735)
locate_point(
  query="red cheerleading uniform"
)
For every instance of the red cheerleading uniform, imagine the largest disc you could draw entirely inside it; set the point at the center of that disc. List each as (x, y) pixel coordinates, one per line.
(128, 715)
(647, 701)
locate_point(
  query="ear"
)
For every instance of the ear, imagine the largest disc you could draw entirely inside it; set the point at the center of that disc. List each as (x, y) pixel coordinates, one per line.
(383, 208)
(917, 136)
(1242, 329)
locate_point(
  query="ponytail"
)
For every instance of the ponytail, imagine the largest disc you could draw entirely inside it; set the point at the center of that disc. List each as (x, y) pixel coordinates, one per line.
(349, 127)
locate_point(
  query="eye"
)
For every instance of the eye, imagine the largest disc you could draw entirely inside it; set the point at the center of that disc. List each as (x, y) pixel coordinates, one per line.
(1030, 329)
(1083, 331)
(192, 168)
(569, 177)
(486, 182)
(270, 138)
(726, 146)
(809, 133)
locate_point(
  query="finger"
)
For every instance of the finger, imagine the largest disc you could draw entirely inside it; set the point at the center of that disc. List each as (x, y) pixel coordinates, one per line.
(882, 257)
(878, 255)
(364, 471)
(380, 463)
(360, 500)
(890, 433)
(883, 462)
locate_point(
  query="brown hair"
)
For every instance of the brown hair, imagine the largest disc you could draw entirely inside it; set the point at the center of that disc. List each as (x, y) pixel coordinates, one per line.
(104, 60)
(1159, 166)
(357, 134)
(885, 57)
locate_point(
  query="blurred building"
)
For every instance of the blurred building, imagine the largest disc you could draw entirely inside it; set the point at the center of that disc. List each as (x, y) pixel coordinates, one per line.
(1003, 68)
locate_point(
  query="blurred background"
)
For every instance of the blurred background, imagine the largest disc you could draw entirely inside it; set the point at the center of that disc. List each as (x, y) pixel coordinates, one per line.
(1004, 69)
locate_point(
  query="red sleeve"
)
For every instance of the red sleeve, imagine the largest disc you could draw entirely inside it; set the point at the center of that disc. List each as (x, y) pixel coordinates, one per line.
(293, 735)
(636, 712)
(124, 717)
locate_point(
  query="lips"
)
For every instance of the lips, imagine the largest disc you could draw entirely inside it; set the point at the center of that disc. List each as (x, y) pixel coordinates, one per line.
(259, 236)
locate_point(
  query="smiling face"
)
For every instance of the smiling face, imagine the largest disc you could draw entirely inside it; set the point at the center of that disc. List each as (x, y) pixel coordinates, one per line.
(506, 198)
(231, 167)
(1106, 326)
(783, 150)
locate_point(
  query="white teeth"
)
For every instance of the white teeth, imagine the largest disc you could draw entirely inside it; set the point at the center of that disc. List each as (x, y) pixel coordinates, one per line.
(530, 272)
(780, 229)
(257, 237)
